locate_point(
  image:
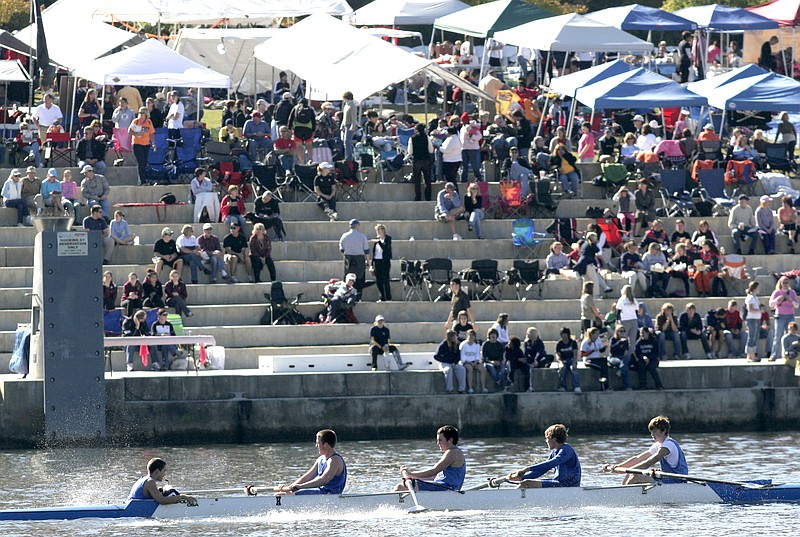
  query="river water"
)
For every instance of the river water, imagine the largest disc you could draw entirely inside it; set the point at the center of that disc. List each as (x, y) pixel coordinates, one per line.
(31, 478)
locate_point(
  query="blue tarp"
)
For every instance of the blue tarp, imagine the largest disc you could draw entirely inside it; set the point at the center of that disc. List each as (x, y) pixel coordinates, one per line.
(637, 88)
(568, 84)
(638, 17)
(769, 92)
(724, 18)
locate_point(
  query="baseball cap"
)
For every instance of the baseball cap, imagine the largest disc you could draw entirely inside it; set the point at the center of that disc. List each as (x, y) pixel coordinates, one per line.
(208, 226)
(87, 168)
(229, 121)
(286, 96)
(464, 118)
(766, 198)
(30, 169)
(167, 231)
(379, 318)
(654, 124)
(350, 277)
(354, 222)
(744, 197)
(15, 172)
(708, 127)
(52, 172)
(256, 114)
(638, 117)
(326, 165)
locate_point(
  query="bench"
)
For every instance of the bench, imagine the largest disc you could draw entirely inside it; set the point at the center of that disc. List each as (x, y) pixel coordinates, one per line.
(111, 342)
(339, 363)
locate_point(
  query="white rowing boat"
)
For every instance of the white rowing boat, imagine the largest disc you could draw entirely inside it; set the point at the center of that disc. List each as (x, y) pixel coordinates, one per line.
(488, 499)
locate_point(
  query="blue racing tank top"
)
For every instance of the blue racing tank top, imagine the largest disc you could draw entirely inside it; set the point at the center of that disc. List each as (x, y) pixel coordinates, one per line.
(137, 491)
(335, 485)
(452, 477)
(680, 468)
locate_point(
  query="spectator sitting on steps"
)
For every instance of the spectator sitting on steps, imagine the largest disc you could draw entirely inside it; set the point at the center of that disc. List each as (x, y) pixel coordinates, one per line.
(380, 344)
(96, 222)
(449, 357)
(343, 297)
(165, 252)
(449, 208)
(470, 351)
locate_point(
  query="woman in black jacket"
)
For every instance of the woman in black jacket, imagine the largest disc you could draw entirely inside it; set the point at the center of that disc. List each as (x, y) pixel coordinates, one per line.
(382, 262)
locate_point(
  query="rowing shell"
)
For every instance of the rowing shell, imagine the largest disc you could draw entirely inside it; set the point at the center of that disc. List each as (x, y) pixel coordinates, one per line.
(493, 499)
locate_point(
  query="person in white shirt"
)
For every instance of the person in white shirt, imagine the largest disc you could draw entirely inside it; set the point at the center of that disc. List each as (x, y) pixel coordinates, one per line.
(471, 360)
(46, 114)
(495, 49)
(628, 311)
(175, 115)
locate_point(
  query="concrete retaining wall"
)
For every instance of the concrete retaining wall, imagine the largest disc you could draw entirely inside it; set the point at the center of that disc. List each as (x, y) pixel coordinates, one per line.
(224, 408)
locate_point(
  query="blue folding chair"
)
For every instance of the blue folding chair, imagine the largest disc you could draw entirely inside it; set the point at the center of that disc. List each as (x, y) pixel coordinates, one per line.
(526, 238)
(159, 170)
(186, 154)
(112, 322)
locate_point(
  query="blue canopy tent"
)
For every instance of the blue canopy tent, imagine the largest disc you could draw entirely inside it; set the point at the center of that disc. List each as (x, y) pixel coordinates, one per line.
(638, 17)
(708, 86)
(638, 87)
(569, 84)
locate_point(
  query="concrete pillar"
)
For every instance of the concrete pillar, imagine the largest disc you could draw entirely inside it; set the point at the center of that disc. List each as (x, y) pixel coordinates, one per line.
(67, 331)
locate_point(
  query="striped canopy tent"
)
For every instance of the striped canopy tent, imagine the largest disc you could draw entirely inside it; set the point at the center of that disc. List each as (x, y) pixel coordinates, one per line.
(639, 17)
(786, 13)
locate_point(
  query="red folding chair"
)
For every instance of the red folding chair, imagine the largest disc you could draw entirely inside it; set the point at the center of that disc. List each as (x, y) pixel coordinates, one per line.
(231, 177)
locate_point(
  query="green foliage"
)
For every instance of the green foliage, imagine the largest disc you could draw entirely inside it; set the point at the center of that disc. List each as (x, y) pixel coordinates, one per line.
(14, 14)
(674, 5)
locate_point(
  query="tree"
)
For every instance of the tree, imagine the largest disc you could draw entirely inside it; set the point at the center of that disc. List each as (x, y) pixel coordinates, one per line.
(675, 5)
(14, 14)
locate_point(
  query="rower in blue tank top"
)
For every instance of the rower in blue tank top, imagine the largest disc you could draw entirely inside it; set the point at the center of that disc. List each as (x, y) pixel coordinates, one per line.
(664, 450)
(146, 487)
(448, 473)
(562, 460)
(328, 474)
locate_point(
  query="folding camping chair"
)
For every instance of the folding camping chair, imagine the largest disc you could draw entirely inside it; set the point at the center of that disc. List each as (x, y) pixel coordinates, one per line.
(403, 136)
(302, 182)
(351, 183)
(231, 177)
(58, 145)
(709, 150)
(778, 159)
(712, 188)
(491, 204)
(676, 200)
(159, 168)
(266, 177)
(122, 143)
(733, 269)
(411, 276)
(511, 202)
(540, 200)
(614, 175)
(486, 280)
(526, 277)
(186, 154)
(437, 271)
(392, 162)
(217, 152)
(671, 153)
(526, 238)
(741, 175)
(280, 310)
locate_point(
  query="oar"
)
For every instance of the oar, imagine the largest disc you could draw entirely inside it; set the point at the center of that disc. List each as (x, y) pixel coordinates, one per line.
(492, 482)
(695, 479)
(410, 486)
(250, 490)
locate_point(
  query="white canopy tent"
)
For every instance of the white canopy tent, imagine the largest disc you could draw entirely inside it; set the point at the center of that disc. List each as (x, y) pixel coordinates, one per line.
(405, 12)
(136, 66)
(12, 71)
(351, 60)
(572, 33)
(89, 39)
(212, 11)
(229, 51)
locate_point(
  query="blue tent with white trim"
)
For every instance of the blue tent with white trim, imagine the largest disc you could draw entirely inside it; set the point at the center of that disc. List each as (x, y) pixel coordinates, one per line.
(639, 88)
(708, 86)
(568, 84)
(639, 17)
(725, 18)
(768, 92)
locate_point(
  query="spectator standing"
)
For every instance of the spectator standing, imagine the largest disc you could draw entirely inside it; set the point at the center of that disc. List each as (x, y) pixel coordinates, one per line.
(627, 311)
(787, 221)
(211, 252)
(567, 355)
(261, 253)
(176, 295)
(174, 116)
(685, 56)
(96, 222)
(157, 116)
(258, 136)
(753, 320)
(742, 223)
(785, 303)
(303, 123)
(586, 143)
(382, 262)
(451, 155)
(95, 189)
(647, 359)
(592, 350)
(420, 149)
(690, 325)
(458, 303)
(590, 315)
(470, 352)
(349, 123)
(89, 110)
(788, 134)
(142, 130)
(354, 246)
(123, 116)
(645, 202)
(46, 114)
(237, 251)
(470, 137)
(449, 357)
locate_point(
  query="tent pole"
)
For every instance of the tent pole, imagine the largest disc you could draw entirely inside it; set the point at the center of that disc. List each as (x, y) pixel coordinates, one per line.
(102, 99)
(722, 124)
(544, 112)
(430, 46)
(572, 110)
(664, 125)
(483, 58)
(547, 69)
(405, 96)
(427, 85)
(783, 51)
(199, 97)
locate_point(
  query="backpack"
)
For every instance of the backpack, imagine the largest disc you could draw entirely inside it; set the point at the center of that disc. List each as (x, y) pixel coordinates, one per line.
(304, 117)
(718, 287)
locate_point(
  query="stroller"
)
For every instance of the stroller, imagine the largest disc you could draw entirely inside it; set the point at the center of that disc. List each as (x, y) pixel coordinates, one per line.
(280, 310)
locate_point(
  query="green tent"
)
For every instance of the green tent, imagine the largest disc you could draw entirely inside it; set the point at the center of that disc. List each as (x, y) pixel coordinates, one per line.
(486, 19)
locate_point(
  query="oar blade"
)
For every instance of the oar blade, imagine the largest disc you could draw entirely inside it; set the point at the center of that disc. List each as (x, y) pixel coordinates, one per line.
(416, 509)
